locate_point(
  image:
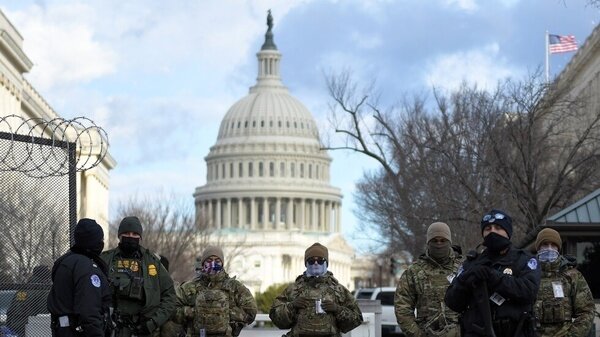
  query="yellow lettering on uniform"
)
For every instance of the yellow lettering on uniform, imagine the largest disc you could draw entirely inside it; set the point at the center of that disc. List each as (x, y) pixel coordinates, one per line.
(152, 270)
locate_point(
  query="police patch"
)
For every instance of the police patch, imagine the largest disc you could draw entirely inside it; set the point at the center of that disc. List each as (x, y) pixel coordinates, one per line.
(95, 281)
(532, 264)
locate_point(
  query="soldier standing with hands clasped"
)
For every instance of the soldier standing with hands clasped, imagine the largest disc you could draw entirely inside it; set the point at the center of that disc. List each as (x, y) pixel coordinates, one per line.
(316, 304)
(143, 293)
(423, 286)
(214, 304)
(565, 305)
(494, 291)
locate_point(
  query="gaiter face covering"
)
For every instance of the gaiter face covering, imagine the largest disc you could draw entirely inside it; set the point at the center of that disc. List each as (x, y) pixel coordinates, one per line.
(129, 245)
(496, 242)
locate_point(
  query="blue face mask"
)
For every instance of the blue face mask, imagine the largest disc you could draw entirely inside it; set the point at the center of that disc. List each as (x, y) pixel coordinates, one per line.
(212, 267)
(547, 255)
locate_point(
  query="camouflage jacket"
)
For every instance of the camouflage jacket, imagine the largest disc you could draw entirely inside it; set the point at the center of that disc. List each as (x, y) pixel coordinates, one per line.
(564, 305)
(422, 287)
(307, 321)
(217, 303)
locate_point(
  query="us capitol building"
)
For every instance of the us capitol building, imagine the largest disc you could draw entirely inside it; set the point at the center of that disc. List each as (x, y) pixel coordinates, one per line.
(268, 195)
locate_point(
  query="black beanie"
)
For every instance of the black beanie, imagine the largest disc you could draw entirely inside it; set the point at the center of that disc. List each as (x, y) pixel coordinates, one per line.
(130, 224)
(88, 233)
(499, 218)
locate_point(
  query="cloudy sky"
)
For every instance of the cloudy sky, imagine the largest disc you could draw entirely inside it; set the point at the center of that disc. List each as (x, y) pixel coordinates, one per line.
(158, 76)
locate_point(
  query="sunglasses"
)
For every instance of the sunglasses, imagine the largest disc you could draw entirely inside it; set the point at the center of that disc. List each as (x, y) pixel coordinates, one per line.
(318, 260)
(493, 217)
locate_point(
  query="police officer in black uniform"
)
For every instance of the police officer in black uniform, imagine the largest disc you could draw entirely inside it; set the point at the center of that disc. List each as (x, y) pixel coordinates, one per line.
(80, 296)
(496, 289)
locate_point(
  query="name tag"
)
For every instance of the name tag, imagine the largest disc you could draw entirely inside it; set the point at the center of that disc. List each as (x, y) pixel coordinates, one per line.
(497, 298)
(557, 288)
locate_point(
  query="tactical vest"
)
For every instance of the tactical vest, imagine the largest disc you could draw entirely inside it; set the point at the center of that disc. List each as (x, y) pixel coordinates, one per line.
(432, 314)
(308, 321)
(127, 278)
(212, 309)
(549, 308)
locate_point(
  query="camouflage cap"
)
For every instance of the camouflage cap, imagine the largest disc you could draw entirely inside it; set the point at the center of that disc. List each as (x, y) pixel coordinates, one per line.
(316, 249)
(130, 224)
(548, 235)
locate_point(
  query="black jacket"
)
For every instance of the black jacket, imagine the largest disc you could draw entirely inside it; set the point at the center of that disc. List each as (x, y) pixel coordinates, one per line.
(80, 289)
(515, 276)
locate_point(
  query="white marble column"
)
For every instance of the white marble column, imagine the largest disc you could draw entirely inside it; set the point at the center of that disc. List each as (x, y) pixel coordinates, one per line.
(252, 213)
(301, 215)
(338, 217)
(210, 219)
(218, 217)
(227, 215)
(240, 212)
(265, 213)
(313, 215)
(277, 213)
(289, 213)
(322, 216)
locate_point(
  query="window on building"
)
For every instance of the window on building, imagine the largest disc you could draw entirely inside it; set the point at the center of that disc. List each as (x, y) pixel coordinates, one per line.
(270, 123)
(230, 170)
(239, 123)
(223, 175)
(250, 170)
(246, 124)
(317, 171)
(262, 124)
(241, 170)
(309, 171)
(295, 125)
(253, 124)
(279, 123)
(260, 169)
(271, 169)
(282, 169)
(293, 170)
(302, 170)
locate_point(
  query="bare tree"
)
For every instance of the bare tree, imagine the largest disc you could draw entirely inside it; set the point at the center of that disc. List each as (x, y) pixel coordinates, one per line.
(521, 147)
(171, 229)
(33, 218)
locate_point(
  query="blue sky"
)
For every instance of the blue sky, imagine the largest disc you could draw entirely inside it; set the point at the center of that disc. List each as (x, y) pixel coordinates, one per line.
(158, 76)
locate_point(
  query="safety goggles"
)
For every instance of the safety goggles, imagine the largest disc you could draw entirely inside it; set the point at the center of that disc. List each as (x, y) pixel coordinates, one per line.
(491, 217)
(318, 260)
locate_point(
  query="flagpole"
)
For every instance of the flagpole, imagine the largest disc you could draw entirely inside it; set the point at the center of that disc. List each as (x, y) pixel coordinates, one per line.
(547, 59)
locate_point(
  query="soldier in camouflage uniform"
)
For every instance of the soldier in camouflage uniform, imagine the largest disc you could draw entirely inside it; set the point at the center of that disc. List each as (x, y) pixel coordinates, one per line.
(214, 304)
(316, 304)
(143, 292)
(423, 286)
(565, 305)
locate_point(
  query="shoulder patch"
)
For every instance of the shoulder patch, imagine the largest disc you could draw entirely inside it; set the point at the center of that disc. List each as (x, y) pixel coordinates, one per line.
(95, 280)
(532, 263)
(152, 270)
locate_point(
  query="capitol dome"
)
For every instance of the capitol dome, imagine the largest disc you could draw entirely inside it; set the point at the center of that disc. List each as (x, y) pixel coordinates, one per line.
(268, 185)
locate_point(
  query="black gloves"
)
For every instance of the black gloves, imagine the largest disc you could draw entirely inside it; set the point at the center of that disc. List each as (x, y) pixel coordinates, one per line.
(477, 274)
(145, 327)
(302, 302)
(329, 306)
(480, 273)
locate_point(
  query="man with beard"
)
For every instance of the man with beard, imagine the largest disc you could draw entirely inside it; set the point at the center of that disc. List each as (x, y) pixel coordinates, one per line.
(79, 299)
(423, 286)
(214, 304)
(143, 293)
(316, 304)
(495, 290)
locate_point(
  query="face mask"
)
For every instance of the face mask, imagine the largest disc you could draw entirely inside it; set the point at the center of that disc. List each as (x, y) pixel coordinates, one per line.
(496, 242)
(438, 251)
(212, 267)
(547, 255)
(129, 245)
(315, 269)
(97, 249)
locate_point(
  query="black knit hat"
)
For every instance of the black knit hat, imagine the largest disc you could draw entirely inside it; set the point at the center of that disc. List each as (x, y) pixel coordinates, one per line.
(88, 233)
(499, 218)
(130, 224)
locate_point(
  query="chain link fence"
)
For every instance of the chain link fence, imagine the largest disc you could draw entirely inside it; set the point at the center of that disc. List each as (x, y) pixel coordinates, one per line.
(38, 212)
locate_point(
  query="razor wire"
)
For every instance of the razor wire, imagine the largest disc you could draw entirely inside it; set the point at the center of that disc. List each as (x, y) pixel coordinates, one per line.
(49, 143)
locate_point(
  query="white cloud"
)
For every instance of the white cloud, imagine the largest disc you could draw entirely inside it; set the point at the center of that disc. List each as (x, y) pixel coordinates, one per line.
(483, 66)
(366, 41)
(465, 5)
(60, 41)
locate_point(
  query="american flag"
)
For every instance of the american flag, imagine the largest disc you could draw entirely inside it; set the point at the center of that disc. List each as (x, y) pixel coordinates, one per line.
(561, 43)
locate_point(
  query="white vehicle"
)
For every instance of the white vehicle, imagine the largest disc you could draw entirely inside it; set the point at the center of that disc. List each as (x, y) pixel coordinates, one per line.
(389, 325)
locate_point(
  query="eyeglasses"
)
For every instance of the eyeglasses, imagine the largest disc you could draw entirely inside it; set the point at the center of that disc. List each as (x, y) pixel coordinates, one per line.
(318, 260)
(493, 217)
